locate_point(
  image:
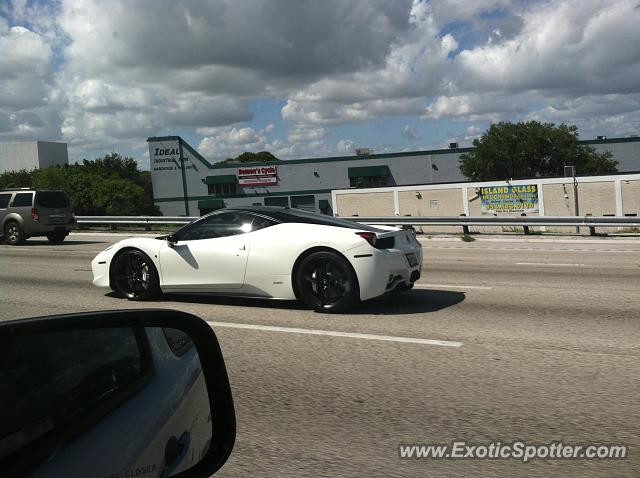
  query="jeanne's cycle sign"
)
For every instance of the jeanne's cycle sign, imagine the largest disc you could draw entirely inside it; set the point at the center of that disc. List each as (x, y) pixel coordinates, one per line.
(258, 176)
(514, 199)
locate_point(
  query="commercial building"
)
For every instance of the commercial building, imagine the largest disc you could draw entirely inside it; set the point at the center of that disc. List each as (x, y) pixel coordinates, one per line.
(185, 183)
(31, 155)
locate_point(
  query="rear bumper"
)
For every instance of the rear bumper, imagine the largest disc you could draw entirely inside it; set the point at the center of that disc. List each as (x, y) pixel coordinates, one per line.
(33, 228)
(382, 271)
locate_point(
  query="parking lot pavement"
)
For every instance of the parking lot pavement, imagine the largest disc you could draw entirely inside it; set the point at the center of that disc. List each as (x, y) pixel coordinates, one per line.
(500, 340)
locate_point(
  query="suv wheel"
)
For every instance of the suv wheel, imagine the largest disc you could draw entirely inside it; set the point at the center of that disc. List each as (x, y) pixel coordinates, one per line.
(13, 234)
(56, 237)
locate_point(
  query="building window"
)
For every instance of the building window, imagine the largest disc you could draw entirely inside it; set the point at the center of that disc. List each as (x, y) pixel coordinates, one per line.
(281, 201)
(368, 181)
(227, 189)
(369, 176)
(307, 203)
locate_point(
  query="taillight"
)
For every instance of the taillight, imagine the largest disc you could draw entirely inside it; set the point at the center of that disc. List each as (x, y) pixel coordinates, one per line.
(34, 214)
(370, 237)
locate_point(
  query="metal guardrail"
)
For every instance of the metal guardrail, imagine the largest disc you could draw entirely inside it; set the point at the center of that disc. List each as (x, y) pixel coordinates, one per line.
(525, 222)
(587, 221)
(460, 221)
(134, 220)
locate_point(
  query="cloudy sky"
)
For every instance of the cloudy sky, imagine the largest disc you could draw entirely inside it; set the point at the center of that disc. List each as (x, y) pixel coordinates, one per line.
(310, 78)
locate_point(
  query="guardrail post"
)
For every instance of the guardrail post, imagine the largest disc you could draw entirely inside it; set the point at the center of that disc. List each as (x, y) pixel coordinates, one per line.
(147, 226)
(525, 228)
(592, 229)
(465, 228)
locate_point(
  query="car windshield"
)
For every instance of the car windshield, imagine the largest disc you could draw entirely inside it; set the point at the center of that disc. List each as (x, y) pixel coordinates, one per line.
(51, 199)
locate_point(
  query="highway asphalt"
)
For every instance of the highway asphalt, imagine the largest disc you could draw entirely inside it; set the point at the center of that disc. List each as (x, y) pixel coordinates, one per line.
(502, 340)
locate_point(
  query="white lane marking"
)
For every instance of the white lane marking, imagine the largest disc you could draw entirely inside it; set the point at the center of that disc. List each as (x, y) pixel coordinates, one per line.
(534, 249)
(547, 264)
(422, 285)
(332, 333)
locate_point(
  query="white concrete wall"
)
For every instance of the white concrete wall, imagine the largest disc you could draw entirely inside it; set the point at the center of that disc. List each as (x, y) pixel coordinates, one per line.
(32, 154)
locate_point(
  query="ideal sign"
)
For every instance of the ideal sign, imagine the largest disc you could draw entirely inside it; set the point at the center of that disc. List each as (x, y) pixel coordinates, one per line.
(258, 176)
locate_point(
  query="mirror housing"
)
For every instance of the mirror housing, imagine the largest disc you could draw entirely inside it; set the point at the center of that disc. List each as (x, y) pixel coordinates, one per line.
(171, 240)
(83, 421)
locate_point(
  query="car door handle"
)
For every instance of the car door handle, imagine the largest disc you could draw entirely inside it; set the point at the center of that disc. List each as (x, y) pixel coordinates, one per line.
(243, 248)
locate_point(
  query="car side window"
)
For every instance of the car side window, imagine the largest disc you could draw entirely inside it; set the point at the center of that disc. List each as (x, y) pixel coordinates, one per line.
(23, 199)
(260, 222)
(4, 200)
(217, 225)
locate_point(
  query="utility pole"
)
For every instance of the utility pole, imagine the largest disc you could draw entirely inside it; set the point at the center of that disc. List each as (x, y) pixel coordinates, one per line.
(184, 180)
(570, 171)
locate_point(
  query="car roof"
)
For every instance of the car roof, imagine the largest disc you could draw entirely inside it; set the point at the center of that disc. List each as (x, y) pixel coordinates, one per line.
(300, 216)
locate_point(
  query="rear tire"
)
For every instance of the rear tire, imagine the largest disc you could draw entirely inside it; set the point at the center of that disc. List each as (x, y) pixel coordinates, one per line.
(326, 282)
(56, 237)
(134, 276)
(13, 234)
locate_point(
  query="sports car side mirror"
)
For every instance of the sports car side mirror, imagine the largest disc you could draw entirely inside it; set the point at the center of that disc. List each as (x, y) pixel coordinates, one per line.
(172, 240)
(113, 394)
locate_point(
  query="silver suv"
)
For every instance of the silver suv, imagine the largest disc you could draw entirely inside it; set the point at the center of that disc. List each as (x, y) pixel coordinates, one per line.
(27, 213)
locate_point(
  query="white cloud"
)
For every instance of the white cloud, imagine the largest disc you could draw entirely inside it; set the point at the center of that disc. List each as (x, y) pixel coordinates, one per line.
(305, 133)
(575, 46)
(409, 132)
(27, 106)
(474, 107)
(345, 146)
(103, 73)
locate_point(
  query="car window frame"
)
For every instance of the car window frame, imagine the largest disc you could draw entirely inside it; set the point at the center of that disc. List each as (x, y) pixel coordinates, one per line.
(179, 235)
(9, 195)
(15, 196)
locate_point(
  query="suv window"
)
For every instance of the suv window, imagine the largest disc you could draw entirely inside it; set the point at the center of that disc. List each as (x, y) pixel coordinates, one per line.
(51, 199)
(216, 225)
(23, 199)
(4, 200)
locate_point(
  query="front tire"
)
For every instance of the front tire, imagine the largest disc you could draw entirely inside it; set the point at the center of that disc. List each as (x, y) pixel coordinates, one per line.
(326, 282)
(135, 276)
(13, 234)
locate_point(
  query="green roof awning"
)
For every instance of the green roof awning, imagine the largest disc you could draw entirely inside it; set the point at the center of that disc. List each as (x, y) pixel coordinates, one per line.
(211, 204)
(222, 179)
(369, 171)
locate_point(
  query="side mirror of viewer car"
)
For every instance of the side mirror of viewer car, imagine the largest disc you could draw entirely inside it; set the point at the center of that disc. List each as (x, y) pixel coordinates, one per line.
(133, 393)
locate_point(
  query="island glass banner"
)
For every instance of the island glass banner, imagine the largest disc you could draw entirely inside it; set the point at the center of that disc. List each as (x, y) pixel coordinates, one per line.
(510, 200)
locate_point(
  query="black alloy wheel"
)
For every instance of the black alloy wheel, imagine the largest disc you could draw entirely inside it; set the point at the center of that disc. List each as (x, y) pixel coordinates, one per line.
(13, 234)
(326, 282)
(135, 276)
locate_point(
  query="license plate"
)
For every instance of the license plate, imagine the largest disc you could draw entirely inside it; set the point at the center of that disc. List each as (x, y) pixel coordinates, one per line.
(56, 219)
(413, 260)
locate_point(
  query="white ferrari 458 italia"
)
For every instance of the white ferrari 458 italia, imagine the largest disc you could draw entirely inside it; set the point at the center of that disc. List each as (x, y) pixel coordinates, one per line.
(269, 252)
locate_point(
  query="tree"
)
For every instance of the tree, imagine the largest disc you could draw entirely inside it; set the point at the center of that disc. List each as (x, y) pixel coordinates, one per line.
(111, 186)
(532, 149)
(17, 179)
(249, 157)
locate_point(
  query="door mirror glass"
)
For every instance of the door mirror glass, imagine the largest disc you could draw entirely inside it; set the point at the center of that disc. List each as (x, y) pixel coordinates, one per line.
(122, 400)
